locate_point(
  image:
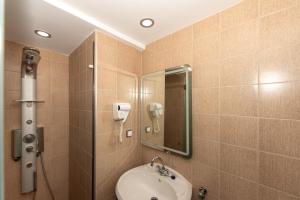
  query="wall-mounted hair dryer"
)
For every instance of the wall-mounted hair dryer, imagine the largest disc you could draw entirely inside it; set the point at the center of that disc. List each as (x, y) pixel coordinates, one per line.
(156, 110)
(120, 113)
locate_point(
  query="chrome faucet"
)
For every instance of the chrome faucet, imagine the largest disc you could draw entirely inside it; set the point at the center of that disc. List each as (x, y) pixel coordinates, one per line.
(163, 171)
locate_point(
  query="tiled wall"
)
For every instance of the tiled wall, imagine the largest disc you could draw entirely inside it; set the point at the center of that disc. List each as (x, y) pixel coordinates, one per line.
(117, 80)
(81, 121)
(246, 100)
(53, 115)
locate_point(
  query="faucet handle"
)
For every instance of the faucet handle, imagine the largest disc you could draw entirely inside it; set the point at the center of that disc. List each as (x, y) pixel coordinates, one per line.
(162, 170)
(159, 167)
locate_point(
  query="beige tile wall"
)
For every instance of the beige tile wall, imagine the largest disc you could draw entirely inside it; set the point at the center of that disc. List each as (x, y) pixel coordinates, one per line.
(53, 115)
(81, 121)
(117, 73)
(246, 108)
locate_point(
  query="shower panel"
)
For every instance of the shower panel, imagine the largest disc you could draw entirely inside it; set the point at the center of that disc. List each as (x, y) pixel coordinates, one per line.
(28, 141)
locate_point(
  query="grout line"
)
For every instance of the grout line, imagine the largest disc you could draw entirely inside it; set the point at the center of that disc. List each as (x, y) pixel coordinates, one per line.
(258, 101)
(238, 146)
(239, 177)
(219, 104)
(278, 190)
(258, 150)
(279, 155)
(277, 11)
(248, 116)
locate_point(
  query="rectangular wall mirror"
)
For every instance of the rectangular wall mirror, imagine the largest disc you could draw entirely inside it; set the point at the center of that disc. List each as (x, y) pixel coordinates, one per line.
(166, 118)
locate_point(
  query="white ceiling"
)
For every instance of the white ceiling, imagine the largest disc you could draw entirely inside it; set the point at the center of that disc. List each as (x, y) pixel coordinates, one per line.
(25, 16)
(71, 21)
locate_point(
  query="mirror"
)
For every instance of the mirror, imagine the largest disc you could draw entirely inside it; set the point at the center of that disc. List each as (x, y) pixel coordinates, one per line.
(166, 118)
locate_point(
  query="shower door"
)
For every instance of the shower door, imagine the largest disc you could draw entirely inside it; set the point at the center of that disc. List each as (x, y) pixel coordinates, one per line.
(1, 94)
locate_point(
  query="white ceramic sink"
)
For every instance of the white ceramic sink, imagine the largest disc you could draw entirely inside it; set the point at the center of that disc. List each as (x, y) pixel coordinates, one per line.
(145, 182)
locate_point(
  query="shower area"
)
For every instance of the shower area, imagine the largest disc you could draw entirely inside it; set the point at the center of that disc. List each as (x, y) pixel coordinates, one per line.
(49, 119)
(36, 123)
(61, 141)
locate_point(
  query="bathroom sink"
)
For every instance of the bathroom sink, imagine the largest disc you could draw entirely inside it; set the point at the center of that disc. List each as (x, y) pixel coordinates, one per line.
(145, 183)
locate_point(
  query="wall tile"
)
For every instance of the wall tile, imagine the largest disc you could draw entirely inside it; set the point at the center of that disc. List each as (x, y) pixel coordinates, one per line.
(239, 100)
(107, 142)
(13, 57)
(207, 26)
(239, 40)
(280, 172)
(270, 6)
(240, 131)
(206, 74)
(107, 79)
(280, 29)
(279, 65)
(240, 13)
(239, 161)
(206, 127)
(206, 101)
(280, 100)
(235, 188)
(108, 97)
(207, 48)
(161, 44)
(184, 36)
(184, 166)
(180, 54)
(266, 193)
(206, 152)
(239, 70)
(204, 176)
(280, 136)
(12, 81)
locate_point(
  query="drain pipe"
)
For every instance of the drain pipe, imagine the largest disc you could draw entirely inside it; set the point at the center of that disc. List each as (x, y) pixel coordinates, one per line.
(202, 193)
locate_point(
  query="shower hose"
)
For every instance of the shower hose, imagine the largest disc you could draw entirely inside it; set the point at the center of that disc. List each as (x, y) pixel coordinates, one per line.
(46, 179)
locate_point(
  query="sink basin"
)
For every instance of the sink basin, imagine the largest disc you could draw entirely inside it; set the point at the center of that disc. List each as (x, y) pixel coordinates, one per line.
(145, 183)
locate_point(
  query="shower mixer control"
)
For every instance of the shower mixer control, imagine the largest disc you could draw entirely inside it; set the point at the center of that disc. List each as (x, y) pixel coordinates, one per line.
(29, 149)
(29, 165)
(17, 139)
(29, 138)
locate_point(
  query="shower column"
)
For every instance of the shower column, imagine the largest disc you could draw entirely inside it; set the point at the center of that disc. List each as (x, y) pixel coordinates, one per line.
(30, 61)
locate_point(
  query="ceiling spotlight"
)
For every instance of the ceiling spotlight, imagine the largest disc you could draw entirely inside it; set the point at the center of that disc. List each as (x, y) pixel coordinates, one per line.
(43, 34)
(147, 22)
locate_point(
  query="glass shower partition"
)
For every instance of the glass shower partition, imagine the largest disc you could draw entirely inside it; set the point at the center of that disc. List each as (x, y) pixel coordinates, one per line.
(1, 95)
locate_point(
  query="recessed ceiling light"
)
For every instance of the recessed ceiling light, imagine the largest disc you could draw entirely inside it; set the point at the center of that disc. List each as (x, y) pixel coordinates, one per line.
(147, 22)
(42, 33)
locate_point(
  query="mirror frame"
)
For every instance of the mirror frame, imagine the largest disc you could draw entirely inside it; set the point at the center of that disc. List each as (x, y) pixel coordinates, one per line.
(187, 69)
